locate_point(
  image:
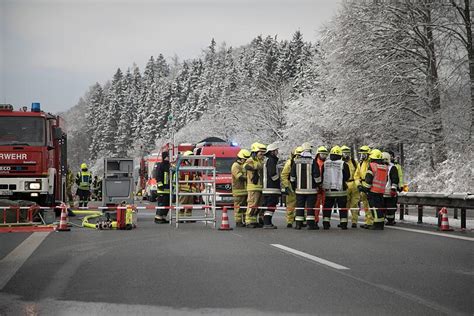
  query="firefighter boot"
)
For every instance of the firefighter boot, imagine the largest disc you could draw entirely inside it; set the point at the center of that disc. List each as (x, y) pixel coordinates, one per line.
(298, 225)
(267, 222)
(326, 225)
(311, 225)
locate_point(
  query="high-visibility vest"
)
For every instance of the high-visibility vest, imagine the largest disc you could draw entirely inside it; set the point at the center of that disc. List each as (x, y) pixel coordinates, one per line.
(85, 179)
(400, 175)
(379, 181)
(304, 176)
(332, 178)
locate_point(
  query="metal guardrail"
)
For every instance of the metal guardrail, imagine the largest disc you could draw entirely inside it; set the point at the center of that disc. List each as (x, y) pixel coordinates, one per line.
(463, 201)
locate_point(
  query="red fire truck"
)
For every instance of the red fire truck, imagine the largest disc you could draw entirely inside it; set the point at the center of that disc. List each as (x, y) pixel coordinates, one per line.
(226, 154)
(32, 155)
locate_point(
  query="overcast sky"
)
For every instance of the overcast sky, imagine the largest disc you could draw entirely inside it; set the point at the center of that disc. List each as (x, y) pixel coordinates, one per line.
(52, 51)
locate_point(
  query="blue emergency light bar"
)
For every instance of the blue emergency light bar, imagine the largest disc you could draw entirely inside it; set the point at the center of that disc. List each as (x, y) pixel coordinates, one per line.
(35, 107)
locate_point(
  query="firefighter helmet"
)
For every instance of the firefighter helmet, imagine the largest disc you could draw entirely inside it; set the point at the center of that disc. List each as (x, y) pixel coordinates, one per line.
(243, 154)
(336, 150)
(272, 147)
(188, 153)
(258, 147)
(364, 149)
(307, 146)
(345, 149)
(375, 154)
(386, 157)
(83, 166)
(298, 150)
(322, 150)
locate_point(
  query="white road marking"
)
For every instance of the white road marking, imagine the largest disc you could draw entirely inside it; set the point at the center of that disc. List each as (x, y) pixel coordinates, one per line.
(414, 230)
(15, 259)
(311, 257)
(431, 233)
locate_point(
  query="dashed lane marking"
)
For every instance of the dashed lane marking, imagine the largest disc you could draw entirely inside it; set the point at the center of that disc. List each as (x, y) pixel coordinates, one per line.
(311, 257)
(10, 264)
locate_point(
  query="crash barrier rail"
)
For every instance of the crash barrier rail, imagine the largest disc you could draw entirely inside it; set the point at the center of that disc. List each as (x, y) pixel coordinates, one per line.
(18, 217)
(21, 215)
(463, 201)
(204, 174)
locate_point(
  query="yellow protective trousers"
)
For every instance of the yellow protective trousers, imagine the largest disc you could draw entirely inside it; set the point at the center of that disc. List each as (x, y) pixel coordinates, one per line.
(186, 200)
(369, 219)
(290, 207)
(254, 200)
(353, 201)
(239, 211)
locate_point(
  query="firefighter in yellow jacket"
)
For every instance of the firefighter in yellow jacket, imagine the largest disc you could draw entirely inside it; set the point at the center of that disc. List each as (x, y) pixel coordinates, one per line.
(186, 188)
(287, 189)
(254, 169)
(359, 176)
(352, 192)
(239, 186)
(83, 181)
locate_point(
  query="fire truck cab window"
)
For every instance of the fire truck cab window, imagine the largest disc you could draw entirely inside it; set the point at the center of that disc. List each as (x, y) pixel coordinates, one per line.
(28, 131)
(223, 165)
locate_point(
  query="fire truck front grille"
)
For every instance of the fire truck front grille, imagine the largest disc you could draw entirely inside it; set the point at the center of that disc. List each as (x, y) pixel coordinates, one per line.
(8, 187)
(17, 169)
(224, 187)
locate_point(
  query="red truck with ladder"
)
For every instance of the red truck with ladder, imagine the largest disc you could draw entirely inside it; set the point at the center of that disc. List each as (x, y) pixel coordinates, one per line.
(33, 155)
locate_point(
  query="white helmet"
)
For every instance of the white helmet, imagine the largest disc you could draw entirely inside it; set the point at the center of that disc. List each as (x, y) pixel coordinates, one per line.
(271, 147)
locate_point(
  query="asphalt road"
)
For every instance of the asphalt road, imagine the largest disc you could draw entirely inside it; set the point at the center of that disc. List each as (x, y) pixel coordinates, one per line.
(157, 269)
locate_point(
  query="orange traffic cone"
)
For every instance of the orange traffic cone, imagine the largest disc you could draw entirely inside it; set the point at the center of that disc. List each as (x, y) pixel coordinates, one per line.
(444, 220)
(225, 220)
(62, 227)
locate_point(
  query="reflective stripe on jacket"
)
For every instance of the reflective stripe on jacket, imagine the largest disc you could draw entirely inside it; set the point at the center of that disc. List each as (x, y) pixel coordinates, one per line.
(162, 178)
(392, 180)
(304, 173)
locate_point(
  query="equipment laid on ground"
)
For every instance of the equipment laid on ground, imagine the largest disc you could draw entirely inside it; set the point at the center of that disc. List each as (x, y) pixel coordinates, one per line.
(117, 183)
(32, 155)
(124, 218)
